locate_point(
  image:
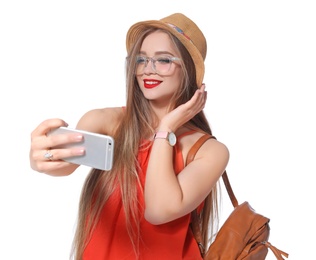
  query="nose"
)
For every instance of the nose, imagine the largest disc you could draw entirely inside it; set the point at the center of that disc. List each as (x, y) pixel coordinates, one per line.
(149, 68)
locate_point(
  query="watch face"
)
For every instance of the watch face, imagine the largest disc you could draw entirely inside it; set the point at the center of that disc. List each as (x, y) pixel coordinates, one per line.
(172, 139)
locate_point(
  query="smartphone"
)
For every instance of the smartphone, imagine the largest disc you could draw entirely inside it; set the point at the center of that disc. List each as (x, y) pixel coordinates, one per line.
(99, 148)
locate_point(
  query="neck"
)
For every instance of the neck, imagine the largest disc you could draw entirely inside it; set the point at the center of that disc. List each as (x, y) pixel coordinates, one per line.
(161, 110)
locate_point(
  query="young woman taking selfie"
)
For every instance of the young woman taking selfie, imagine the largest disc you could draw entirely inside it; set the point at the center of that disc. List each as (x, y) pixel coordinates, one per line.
(140, 209)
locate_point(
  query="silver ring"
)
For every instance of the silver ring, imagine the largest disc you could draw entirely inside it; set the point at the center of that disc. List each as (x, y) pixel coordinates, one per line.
(48, 155)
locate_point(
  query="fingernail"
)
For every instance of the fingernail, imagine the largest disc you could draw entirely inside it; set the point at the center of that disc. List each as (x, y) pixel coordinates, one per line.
(78, 138)
(79, 151)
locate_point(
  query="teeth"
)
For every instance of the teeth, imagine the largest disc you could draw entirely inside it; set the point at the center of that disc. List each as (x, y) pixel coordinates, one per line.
(151, 82)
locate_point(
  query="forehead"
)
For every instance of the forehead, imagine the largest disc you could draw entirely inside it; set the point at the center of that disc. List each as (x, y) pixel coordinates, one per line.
(158, 42)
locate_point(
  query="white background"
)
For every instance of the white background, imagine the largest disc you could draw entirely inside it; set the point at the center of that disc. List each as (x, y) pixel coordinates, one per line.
(63, 58)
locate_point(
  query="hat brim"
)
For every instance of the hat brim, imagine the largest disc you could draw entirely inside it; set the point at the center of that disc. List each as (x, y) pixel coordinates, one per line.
(135, 31)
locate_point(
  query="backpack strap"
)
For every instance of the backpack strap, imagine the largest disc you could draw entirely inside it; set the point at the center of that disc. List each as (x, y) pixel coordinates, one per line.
(195, 219)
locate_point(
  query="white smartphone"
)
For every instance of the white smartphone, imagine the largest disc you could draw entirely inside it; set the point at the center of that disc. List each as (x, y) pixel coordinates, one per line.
(99, 148)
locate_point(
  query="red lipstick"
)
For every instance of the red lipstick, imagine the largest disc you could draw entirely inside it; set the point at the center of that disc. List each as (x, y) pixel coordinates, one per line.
(151, 83)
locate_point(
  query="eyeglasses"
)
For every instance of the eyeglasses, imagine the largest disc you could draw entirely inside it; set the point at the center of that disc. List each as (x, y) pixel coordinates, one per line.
(160, 64)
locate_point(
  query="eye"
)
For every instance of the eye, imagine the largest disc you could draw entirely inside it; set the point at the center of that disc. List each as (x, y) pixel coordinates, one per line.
(141, 60)
(163, 60)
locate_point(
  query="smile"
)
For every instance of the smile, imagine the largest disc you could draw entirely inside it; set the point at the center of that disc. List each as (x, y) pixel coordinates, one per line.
(151, 83)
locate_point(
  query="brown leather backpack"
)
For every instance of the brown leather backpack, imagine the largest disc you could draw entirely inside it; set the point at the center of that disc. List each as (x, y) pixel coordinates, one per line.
(245, 233)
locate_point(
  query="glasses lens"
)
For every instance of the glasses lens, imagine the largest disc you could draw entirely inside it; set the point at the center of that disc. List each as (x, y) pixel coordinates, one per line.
(162, 64)
(141, 63)
(159, 64)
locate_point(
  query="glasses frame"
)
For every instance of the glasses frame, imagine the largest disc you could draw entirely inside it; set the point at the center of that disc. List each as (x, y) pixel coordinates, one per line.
(153, 62)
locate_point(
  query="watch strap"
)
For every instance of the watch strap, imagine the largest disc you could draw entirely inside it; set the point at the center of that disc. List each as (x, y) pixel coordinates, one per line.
(161, 135)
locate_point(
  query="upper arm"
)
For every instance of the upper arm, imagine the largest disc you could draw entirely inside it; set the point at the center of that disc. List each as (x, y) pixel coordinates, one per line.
(199, 177)
(103, 121)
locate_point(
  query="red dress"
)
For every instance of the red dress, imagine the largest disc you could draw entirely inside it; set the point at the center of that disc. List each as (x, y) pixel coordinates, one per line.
(169, 241)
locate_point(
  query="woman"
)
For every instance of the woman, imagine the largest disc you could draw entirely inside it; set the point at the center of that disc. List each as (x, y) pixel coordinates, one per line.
(141, 208)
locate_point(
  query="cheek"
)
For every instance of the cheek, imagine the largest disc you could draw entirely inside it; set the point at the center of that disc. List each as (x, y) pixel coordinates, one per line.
(139, 81)
(177, 78)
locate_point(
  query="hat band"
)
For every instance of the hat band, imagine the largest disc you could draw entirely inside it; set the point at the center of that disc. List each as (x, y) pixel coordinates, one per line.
(179, 31)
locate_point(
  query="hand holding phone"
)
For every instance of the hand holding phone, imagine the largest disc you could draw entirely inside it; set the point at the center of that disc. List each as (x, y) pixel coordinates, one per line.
(99, 148)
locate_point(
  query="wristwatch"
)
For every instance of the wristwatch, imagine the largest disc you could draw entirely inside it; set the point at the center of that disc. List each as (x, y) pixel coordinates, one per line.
(169, 136)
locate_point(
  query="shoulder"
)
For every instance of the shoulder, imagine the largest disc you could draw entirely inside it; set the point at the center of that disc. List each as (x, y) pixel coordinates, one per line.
(101, 120)
(211, 151)
(215, 149)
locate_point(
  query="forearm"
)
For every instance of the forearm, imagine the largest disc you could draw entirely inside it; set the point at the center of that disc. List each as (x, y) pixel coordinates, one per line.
(163, 193)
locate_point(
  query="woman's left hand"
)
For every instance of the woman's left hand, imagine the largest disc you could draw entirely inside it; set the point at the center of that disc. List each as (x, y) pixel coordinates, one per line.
(186, 111)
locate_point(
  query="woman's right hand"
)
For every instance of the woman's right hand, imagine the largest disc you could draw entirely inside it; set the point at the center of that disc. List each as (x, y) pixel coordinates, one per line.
(45, 156)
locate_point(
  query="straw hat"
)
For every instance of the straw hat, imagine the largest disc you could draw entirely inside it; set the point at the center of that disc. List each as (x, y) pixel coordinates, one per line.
(185, 30)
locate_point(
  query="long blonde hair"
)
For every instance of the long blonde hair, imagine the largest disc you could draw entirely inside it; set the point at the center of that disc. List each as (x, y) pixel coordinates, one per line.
(138, 121)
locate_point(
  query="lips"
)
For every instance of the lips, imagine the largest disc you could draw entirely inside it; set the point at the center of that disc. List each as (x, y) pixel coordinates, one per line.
(151, 83)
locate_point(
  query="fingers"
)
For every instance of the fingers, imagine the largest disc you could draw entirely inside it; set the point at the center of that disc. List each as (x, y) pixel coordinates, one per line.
(46, 153)
(55, 147)
(44, 127)
(198, 100)
(53, 167)
(202, 88)
(59, 153)
(50, 160)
